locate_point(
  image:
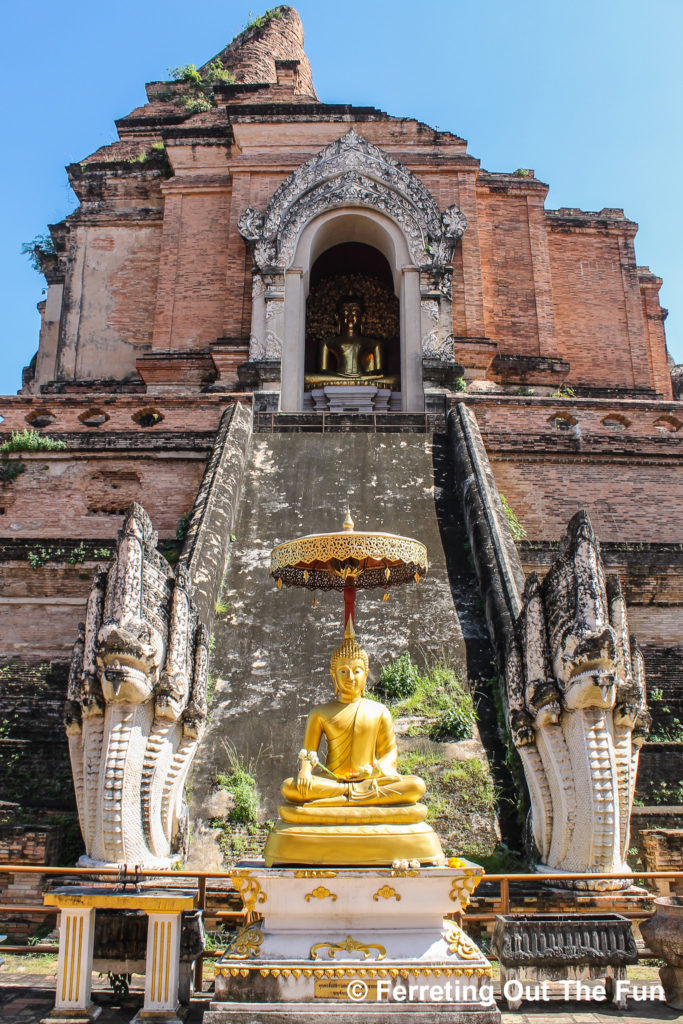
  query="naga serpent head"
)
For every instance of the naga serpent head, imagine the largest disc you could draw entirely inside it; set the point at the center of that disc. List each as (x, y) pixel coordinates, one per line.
(588, 670)
(129, 659)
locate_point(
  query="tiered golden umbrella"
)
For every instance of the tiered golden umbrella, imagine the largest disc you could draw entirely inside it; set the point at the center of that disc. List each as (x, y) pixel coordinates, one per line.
(348, 561)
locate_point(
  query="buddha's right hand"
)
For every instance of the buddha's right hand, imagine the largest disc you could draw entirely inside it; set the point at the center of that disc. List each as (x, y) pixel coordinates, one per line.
(304, 783)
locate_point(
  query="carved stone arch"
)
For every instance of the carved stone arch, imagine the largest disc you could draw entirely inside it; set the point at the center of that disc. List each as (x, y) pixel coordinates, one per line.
(352, 175)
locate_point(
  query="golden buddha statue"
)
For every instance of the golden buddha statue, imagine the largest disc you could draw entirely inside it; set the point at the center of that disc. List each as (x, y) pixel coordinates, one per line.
(349, 354)
(348, 357)
(356, 808)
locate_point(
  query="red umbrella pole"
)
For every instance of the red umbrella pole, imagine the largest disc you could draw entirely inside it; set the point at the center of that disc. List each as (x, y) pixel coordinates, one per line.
(349, 610)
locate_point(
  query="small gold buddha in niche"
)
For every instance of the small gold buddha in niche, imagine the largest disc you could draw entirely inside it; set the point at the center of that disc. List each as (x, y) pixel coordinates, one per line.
(355, 808)
(348, 353)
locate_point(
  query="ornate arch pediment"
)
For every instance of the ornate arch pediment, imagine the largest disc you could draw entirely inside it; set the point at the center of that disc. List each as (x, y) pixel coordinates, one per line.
(352, 172)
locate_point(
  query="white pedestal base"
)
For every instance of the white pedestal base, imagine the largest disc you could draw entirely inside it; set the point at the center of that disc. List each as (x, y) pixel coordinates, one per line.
(354, 943)
(351, 398)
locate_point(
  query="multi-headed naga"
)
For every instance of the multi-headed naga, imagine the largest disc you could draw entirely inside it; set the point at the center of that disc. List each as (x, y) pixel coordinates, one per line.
(577, 708)
(136, 704)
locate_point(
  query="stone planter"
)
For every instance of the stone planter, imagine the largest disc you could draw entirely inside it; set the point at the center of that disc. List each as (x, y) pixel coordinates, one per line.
(562, 952)
(664, 935)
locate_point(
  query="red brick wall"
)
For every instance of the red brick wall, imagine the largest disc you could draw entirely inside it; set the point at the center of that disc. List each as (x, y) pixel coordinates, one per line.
(84, 496)
(192, 292)
(653, 316)
(189, 413)
(590, 312)
(633, 503)
(507, 273)
(630, 479)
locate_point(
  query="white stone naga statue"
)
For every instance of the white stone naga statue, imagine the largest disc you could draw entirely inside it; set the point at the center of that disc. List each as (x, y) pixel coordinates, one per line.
(136, 705)
(577, 709)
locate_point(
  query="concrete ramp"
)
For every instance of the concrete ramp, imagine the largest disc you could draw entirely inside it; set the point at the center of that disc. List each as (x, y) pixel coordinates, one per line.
(272, 648)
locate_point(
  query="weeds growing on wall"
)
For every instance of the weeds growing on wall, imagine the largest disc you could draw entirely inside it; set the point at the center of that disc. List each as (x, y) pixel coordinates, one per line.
(31, 440)
(397, 680)
(241, 784)
(183, 526)
(200, 97)
(49, 553)
(515, 793)
(662, 794)
(241, 833)
(259, 20)
(437, 697)
(564, 391)
(516, 529)
(40, 250)
(461, 801)
(670, 731)
(154, 156)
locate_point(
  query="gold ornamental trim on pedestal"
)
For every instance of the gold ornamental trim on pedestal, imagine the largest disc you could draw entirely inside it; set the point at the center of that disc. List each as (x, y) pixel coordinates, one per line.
(247, 943)
(306, 873)
(328, 561)
(354, 971)
(349, 945)
(386, 893)
(463, 887)
(459, 943)
(249, 889)
(321, 893)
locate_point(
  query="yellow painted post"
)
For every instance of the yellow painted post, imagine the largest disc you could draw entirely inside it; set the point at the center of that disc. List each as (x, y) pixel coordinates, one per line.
(162, 968)
(74, 970)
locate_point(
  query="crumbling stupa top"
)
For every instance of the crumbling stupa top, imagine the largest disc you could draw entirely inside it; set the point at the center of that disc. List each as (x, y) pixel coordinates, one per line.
(252, 54)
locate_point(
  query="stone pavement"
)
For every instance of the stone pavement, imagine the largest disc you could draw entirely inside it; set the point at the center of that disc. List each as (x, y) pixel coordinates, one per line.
(26, 998)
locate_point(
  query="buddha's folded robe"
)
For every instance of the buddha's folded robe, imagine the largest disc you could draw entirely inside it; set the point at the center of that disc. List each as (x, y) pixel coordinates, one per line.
(359, 734)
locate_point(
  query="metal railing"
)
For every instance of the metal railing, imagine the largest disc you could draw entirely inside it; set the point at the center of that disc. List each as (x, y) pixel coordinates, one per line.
(128, 876)
(325, 422)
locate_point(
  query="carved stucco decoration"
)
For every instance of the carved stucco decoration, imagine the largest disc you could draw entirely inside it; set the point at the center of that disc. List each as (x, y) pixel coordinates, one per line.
(577, 706)
(136, 704)
(352, 172)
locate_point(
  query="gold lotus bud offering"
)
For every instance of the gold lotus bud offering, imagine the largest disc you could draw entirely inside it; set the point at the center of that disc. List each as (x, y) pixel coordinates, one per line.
(355, 808)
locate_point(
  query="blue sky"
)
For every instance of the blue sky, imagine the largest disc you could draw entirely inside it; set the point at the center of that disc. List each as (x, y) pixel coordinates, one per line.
(589, 94)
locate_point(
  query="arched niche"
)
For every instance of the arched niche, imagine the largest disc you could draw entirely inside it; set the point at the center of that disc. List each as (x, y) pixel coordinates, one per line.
(351, 191)
(324, 232)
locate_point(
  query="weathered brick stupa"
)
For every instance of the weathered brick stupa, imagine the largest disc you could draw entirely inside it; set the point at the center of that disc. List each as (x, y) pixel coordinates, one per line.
(266, 307)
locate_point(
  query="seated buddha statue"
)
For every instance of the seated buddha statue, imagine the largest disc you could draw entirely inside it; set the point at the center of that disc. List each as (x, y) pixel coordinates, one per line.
(355, 807)
(348, 353)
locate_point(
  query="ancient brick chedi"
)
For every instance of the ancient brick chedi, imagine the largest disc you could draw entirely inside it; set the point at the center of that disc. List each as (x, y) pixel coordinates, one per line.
(238, 228)
(534, 295)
